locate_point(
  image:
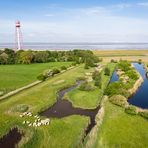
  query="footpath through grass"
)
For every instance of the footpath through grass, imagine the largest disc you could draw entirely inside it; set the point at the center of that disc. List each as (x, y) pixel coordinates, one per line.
(15, 76)
(122, 130)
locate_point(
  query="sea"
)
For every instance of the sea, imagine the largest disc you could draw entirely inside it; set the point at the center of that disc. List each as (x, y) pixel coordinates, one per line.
(78, 45)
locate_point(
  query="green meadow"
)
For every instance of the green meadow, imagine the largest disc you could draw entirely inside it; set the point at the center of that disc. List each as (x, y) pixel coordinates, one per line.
(122, 130)
(15, 76)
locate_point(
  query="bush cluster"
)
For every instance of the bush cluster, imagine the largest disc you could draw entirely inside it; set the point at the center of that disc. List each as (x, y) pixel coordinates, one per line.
(55, 71)
(107, 71)
(63, 67)
(113, 61)
(118, 100)
(45, 75)
(96, 76)
(144, 114)
(42, 77)
(132, 74)
(124, 65)
(116, 88)
(85, 86)
(21, 108)
(130, 109)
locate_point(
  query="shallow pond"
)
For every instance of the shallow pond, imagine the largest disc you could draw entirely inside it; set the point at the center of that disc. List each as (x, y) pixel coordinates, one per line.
(140, 98)
(11, 139)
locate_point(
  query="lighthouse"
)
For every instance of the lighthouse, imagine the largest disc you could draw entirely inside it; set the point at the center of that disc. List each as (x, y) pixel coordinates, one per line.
(18, 36)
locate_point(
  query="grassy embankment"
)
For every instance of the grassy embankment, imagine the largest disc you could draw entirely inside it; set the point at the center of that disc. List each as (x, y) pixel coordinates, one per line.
(120, 129)
(15, 76)
(130, 55)
(61, 132)
(90, 99)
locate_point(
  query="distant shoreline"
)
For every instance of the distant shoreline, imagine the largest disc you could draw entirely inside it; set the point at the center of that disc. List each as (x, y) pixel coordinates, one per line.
(83, 46)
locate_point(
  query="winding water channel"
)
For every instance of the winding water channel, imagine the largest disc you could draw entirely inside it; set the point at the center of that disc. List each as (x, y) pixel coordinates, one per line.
(63, 108)
(140, 98)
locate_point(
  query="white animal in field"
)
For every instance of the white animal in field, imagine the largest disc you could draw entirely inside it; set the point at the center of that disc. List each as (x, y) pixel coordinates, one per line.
(30, 124)
(21, 116)
(45, 121)
(24, 122)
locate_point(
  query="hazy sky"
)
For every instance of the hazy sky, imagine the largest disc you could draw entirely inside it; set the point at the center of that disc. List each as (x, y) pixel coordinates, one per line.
(75, 20)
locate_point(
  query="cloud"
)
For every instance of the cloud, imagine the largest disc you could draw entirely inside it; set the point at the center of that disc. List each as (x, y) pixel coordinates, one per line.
(122, 5)
(91, 24)
(49, 15)
(143, 4)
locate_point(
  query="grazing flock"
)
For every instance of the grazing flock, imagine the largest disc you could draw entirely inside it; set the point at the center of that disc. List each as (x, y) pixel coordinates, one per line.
(37, 122)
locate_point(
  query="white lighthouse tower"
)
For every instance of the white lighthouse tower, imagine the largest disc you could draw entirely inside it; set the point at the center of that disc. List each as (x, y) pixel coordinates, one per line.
(18, 36)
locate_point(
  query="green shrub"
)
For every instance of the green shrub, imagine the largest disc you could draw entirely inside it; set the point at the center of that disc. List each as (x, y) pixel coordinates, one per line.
(86, 66)
(124, 65)
(132, 74)
(85, 86)
(55, 71)
(118, 100)
(95, 75)
(98, 81)
(113, 61)
(74, 64)
(131, 110)
(42, 77)
(81, 78)
(63, 67)
(21, 108)
(140, 61)
(97, 78)
(144, 114)
(107, 71)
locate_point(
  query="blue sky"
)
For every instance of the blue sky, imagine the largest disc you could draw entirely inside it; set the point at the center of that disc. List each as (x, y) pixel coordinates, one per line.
(75, 20)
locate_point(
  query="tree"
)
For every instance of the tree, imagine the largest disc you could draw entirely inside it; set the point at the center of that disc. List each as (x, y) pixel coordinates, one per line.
(17, 56)
(11, 55)
(3, 58)
(26, 57)
(41, 57)
(98, 81)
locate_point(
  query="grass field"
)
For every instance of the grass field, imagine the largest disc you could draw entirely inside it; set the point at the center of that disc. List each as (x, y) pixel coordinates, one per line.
(116, 53)
(61, 132)
(122, 130)
(117, 130)
(15, 76)
(131, 55)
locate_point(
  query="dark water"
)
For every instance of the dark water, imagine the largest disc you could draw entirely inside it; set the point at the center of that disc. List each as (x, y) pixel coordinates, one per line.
(63, 108)
(78, 45)
(114, 77)
(11, 139)
(140, 98)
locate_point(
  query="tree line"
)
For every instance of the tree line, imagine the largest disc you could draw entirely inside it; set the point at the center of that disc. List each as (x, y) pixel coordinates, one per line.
(9, 56)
